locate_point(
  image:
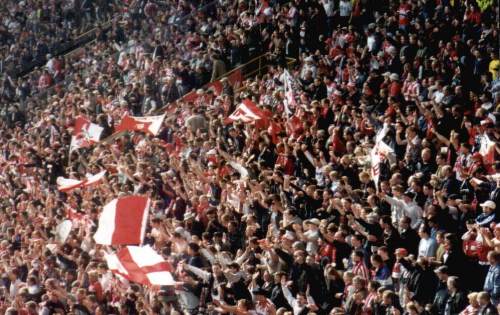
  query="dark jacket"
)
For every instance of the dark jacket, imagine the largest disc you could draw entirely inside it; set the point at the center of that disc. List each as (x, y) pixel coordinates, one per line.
(440, 299)
(422, 282)
(457, 264)
(410, 240)
(456, 303)
(489, 309)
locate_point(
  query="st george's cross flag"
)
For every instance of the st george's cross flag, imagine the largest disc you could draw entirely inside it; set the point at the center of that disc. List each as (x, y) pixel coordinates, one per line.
(141, 265)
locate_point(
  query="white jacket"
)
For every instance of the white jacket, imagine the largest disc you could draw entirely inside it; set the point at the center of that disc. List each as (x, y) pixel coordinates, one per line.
(400, 208)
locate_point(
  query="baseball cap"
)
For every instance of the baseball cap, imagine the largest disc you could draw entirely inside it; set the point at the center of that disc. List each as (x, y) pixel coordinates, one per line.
(490, 204)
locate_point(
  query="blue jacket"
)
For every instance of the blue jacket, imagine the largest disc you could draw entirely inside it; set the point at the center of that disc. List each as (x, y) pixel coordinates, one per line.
(492, 283)
(485, 219)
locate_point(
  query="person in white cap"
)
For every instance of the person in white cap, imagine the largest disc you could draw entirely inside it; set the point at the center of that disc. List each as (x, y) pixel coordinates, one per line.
(308, 66)
(394, 77)
(488, 215)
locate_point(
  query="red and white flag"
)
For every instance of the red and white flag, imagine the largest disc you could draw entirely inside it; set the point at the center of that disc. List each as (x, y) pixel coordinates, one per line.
(123, 221)
(85, 133)
(141, 265)
(246, 112)
(148, 124)
(487, 150)
(380, 150)
(67, 184)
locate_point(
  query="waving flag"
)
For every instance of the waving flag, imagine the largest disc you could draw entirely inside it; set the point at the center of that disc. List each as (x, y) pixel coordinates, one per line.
(141, 265)
(123, 221)
(235, 78)
(67, 184)
(216, 86)
(379, 151)
(149, 124)
(246, 112)
(85, 133)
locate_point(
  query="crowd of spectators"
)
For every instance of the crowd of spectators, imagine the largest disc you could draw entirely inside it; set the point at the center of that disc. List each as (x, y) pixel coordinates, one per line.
(287, 215)
(31, 31)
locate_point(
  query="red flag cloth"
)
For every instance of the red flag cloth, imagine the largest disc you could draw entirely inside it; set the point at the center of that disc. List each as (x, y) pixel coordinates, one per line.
(216, 86)
(235, 78)
(123, 221)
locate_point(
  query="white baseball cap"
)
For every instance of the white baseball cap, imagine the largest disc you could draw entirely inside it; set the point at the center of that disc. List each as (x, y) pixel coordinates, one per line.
(489, 204)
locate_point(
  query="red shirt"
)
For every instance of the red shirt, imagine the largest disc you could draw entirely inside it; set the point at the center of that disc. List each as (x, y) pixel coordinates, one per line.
(273, 130)
(96, 287)
(337, 145)
(475, 249)
(395, 89)
(326, 251)
(404, 11)
(286, 162)
(474, 17)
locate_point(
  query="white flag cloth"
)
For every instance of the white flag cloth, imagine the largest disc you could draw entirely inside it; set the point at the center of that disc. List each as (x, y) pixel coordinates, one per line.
(375, 165)
(239, 168)
(62, 230)
(141, 265)
(67, 184)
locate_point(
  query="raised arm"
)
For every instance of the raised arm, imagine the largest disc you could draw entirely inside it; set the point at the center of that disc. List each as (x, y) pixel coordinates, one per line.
(440, 137)
(286, 292)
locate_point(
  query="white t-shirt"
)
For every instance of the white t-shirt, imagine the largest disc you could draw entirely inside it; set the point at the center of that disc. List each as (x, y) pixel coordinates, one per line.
(329, 7)
(370, 42)
(427, 247)
(345, 8)
(312, 243)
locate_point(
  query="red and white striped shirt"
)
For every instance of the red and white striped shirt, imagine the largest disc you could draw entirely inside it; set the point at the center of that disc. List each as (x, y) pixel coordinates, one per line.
(411, 89)
(361, 270)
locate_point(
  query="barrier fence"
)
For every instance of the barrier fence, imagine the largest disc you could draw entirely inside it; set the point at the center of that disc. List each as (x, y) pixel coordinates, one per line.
(255, 67)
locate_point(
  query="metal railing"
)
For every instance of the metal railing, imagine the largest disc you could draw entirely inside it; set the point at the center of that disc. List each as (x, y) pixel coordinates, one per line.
(256, 66)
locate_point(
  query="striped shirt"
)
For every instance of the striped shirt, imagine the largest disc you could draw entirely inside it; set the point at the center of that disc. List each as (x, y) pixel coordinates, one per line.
(361, 270)
(411, 89)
